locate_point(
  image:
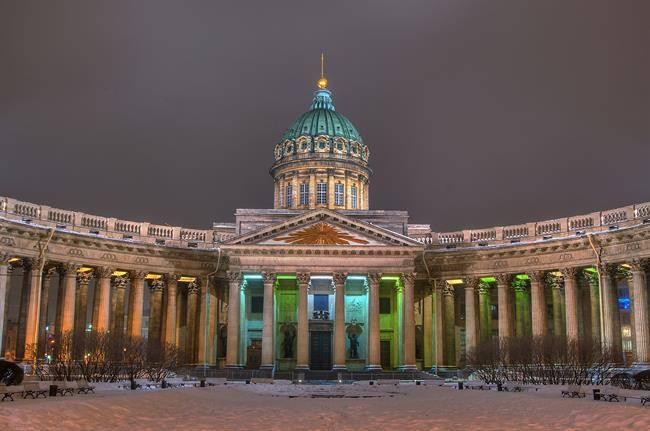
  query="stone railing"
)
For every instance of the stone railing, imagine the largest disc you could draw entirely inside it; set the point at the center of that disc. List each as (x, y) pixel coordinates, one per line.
(567, 227)
(107, 227)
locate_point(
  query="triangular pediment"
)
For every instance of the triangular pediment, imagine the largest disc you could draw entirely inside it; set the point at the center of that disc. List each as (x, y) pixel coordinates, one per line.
(324, 228)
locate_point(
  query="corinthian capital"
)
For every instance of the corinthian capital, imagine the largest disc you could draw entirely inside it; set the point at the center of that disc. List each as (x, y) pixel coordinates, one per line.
(608, 269)
(640, 265)
(83, 278)
(233, 276)
(103, 272)
(193, 288)
(119, 282)
(268, 277)
(69, 269)
(569, 272)
(408, 278)
(504, 279)
(338, 278)
(374, 277)
(302, 277)
(156, 285)
(537, 276)
(471, 282)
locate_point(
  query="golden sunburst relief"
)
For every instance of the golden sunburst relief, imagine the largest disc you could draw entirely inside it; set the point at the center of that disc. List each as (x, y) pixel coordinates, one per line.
(320, 234)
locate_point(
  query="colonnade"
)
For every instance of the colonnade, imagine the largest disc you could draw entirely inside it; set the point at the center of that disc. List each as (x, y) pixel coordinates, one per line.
(234, 358)
(175, 302)
(584, 304)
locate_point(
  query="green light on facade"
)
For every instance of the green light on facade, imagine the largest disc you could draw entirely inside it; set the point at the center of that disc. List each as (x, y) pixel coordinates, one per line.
(521, 277)
(488, 279)
(390, 278)
(356, 277)
(592, 270)
(286, 277)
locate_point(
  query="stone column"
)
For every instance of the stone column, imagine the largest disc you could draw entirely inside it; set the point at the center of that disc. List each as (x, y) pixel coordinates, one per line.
(268, 357)
(427, 323)
(374, 354)
(571, 304)
(485, 312)
(33, 311)
(639, 267)
(81, 310)
(234, 317)
(60, 297)
(449, 309)
(44, 308)
(439, 326)
(103, 292)
(408, 283)
(193, 292)
(207, 313)
(302, 362)
(119, 292)
(538, 303)
(505, 318)
(156, 289)
(594, 305)
(26, 264)
(69, 273)
(611, 317)
(338, 279)
(555, 284)
(136, 303)
(4, 276)
(170, 311)
(471, 332)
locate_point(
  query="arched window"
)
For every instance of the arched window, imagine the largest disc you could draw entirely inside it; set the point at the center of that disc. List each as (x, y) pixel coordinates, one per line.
(289, 199)
(353, 197)
(304, 194)
(338, 194)
(321, 193)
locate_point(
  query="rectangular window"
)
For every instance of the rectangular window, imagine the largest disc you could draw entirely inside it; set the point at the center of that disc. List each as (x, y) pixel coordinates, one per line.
(353, 197)
(338, 194)
(289, 199)
(321, 302)
(304, 194)
(384, 305)
(280, 196)
(321, 193)
(257, 304)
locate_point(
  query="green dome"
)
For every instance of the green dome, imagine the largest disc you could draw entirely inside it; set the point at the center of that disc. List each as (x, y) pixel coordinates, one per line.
(322, 119)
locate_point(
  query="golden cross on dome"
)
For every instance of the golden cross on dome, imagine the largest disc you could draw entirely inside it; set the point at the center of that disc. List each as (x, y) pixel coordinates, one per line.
(322, 82)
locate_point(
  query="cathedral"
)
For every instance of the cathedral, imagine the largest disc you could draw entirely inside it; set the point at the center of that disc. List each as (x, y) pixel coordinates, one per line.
(321, 281)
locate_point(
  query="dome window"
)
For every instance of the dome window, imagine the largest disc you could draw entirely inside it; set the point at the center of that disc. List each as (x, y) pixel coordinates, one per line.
(322, 145)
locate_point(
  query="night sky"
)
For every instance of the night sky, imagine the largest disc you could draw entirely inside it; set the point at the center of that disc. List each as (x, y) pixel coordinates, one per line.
(477, 113)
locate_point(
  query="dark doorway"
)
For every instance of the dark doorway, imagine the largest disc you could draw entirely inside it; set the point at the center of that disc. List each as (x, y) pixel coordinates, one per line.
(254, 355)
(321, 350)
(384, 351)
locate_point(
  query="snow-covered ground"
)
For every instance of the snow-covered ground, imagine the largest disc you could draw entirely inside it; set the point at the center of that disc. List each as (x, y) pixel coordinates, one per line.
(323, 407)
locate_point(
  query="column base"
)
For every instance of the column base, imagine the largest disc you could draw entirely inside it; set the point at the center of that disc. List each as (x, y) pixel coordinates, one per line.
(268, 367)
(301, 368)
(339, 368)
(234, 367)
(641, 365)
(373, 368)
(407, 368)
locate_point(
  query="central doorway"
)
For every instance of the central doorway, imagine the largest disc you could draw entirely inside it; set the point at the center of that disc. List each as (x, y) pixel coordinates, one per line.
(384, 352)
(321, 350)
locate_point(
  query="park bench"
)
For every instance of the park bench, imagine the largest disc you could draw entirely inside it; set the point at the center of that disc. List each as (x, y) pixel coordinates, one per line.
(573, 391)
(36, 389)
(66, 387)
(10, 391)
(84, 387)
(612, 394)
(393, 382)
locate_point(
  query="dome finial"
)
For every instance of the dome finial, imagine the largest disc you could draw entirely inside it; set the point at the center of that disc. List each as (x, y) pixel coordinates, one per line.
(322, 82)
